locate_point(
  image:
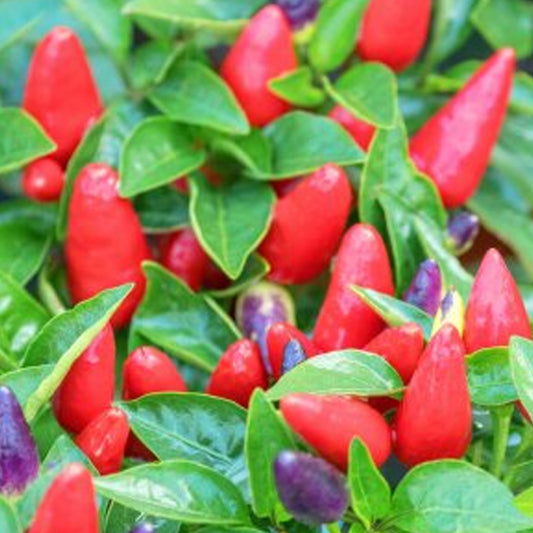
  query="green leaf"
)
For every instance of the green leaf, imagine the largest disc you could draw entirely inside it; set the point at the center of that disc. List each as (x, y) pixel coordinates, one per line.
(498, 214)
(156, 153)
(393, 196)
(24, 381)
(451, 28)
(230, 220)
(341, 19)
(505, 23)
(297, 88)
(45, 430)
(104, 19)
(177, 490)
(266, 437)
(120, 519)
(302, 142)
(162, 210)
(207, 14)
(192, 93)
(21, 317)
(369, 490)
(369, 91)
(64, 338)
(255, 269)
(489, 377)
(64, 452)
(22, 139)
(102, 144)
(344, 372)
(524, 502)
(454, 497)
(200, 428)
(521, 357)
(395, 312)
(9, 521)
(25, 236)
(187, 325)
(432, 237)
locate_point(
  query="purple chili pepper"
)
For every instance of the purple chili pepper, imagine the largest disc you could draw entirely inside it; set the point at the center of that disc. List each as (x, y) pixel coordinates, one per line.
(426, 288)
(293, 355)
(311, 489)
(258, 308)
(19, 462)
(143, 527)
(463, 228)
(299, 12)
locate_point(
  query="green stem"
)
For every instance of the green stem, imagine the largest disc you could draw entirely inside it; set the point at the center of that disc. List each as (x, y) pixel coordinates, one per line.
(501, 419)
(477, 453)
(48, 295)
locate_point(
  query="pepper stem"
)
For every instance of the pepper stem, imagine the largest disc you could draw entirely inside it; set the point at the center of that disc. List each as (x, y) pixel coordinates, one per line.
(501, 420)
(48, 294)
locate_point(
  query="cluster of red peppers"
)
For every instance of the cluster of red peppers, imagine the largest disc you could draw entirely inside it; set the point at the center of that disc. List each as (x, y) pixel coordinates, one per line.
(105, 247)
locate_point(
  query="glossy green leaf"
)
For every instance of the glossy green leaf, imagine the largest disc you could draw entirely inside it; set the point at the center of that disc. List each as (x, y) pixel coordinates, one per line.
(370, 493)
(21, 317)
(64, 452)
(351, 372)
(395, 312)
(25, 236)
(121, 519)
(489, 377)
(46, 430)
(9, 521)
(22, 139)
(210, 14)
(231, 220)
(254, 270)
(297, 88)
(369, 91)
(187, 325)
(156, 153)
(162, 210)
(393, 196)
(64, 338)
(454, 497)
(505, 23)
(339, 18)
(220, 529)
(524, 502)
(104, 19)
(102, 144)
(177, 490)
(498, 215)
(432, 238)
(196, 427)
(192, 93)
(302, 142)
(451, 28)
(266, 437)
(521, 357)
(24, 381)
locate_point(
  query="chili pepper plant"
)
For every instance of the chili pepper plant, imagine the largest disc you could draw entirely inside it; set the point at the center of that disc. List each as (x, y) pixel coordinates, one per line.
(266, 266)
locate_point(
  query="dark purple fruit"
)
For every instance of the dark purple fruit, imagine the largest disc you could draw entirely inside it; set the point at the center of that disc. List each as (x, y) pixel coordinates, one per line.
(311, 489)
(463, 228)
(425, 291)
(293, 355)
(299, 12)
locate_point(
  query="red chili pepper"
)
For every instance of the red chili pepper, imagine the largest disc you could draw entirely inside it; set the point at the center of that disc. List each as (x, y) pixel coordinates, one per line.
(453, 148)
(495, 310)
(294, 258)
(263, 51)
(278, 336)
(361, 132)
(214, 278)
(103, 441)
(69, 504)
(60, 91)
(147, 370)
(183, 255)
(330, 423)
(434, 420)
(43, 180)
(238, 373)
(345, 321)
(105, 244)
(401, 347)
(394, 31)
(88, 388)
